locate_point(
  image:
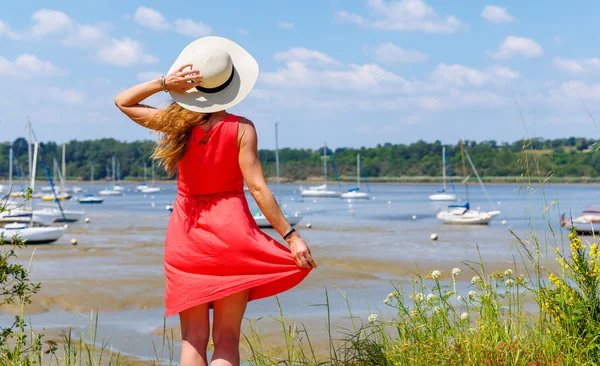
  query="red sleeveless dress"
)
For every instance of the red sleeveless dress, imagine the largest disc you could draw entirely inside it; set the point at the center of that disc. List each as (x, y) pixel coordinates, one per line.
(213, 246)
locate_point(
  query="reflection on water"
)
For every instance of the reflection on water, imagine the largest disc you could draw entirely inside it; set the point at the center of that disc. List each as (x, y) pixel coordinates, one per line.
(359, 246)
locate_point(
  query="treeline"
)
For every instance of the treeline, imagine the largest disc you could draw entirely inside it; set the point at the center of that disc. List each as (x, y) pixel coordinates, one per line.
(569, 157)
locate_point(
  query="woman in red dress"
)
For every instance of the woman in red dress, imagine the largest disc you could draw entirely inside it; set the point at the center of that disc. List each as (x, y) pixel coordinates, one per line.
(215, 254)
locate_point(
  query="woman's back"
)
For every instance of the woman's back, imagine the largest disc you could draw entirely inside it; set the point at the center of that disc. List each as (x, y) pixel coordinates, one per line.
(211, 165)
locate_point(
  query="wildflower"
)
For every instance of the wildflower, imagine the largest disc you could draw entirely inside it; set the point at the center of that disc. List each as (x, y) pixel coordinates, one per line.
(509, 283)
(456, 272)
(386, 301)
(508, 272)
(464, 316)
(419, 297)
(395, 293)
(390, 295)
(475, 280)
(372, 318)
(459, 298)
(414, 313)
(436, 274)
(472, 294)
(436, 310)
(431, 297)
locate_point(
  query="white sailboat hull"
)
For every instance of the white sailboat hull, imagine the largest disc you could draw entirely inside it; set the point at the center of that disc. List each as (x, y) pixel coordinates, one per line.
(443, 197)
(320, 193)
(110, 192)
(462, 216)
(32, 235)
(151, 190)
(356, 196)
(69, 215)
(26, 216)
(90, 200)
(262, 221)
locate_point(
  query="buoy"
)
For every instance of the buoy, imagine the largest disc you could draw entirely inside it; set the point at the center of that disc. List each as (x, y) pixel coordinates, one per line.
(308, 225)
(166, 207)
(352, 212)
(153, 204)
(414, 217)
(478, 208)
(73, 241)
(434, 236)
(389, 202)
(87, 220)
(503, 222)
(499, 202)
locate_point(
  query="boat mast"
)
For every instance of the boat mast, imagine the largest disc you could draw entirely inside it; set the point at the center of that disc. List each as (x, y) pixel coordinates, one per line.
(357, 170)
(29, 142)
(325, 162)
(113, 169)
(10, 168)
(64, 166)
(152, 173)
(444, 168)
(277, 161)
(464, 166)
(145, 172)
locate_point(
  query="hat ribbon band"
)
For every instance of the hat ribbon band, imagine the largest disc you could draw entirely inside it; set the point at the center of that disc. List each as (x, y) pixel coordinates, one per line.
(220, 87)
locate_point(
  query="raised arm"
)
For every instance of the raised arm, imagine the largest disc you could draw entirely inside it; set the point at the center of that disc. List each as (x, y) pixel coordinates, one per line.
(253, 175)
(128, 101)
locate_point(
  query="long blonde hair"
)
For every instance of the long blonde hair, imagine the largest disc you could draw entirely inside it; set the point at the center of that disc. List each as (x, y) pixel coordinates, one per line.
(174, 125)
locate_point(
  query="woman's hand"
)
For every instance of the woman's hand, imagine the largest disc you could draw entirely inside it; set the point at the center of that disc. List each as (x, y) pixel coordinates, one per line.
(300, 252)
(181, 81)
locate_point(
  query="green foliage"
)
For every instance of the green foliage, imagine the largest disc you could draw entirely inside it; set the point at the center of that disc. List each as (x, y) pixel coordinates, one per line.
(572, 157)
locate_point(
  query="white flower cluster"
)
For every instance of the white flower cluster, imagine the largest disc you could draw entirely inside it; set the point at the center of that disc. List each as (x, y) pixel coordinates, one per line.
(372, 318)
(456, 272)
(419, 297)
(436, 274)
(475, 280)
(464, 316)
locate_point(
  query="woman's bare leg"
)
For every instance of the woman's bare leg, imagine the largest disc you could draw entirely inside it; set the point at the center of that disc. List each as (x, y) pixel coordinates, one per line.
(195, 331)
(227, 321)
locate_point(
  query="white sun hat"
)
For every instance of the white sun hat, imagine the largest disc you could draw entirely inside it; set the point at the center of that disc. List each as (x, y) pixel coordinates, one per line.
(229, 73)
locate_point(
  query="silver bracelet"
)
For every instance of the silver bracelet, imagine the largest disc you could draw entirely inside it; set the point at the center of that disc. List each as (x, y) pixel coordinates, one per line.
(162, 84)
(288, 232)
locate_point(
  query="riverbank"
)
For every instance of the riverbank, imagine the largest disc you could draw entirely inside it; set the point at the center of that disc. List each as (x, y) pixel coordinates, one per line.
(370, 180)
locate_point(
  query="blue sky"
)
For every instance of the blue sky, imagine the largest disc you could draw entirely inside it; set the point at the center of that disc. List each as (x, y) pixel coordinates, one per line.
(352, 73)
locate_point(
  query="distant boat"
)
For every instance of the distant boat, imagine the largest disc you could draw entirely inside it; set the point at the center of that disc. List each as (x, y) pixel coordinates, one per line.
(354, 193)
(59, 196)
(258, 216)
(63, 215)
(111, 191)
(26, 215)
(587, 224)
(462, 214)
(90, 198)
(32, 235)
(322, 190)
(442, 195)
(145, 184)
(152, 188)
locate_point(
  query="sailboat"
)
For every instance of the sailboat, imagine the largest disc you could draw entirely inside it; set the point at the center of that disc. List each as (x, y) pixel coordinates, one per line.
(462, 214)
(145, 184)
(116, 189)
(152, 188)
(90, 198)
(322, 190)
(353, 193)
(442, 195)
(258, 216)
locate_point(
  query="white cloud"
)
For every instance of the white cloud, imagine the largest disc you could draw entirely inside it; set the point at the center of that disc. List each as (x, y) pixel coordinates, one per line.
(368, 78)
(27, 65)
(518, 46)
(304, 55)
(148, 75)
(6, 31)
(150, 18)
(191, 28)
(125, 52)
(153, 19)
(67, 96)
(49, 22)
(575, 89)
(496, 14)
(390, 53)
(285, 25)
(404, 15)
(86, 36)
(578, 66)
(459, 75)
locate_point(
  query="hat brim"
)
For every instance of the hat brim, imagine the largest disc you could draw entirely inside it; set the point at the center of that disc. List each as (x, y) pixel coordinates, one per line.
(244, 78)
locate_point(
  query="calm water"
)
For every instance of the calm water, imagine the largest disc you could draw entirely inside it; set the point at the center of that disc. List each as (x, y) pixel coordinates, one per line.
(359, 246)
